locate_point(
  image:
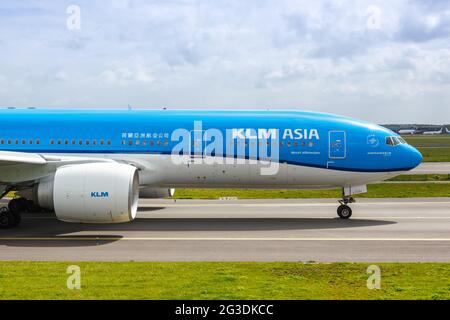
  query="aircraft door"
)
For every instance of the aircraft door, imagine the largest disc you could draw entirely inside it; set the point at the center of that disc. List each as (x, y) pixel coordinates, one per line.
(337, 145)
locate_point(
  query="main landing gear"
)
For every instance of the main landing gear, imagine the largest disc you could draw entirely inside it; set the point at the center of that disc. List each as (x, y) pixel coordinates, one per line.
(344, 211)
(10, 217)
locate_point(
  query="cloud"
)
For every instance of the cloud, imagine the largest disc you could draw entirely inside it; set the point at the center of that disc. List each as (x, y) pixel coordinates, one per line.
(377, 60)
(419, 26)
(125, 76)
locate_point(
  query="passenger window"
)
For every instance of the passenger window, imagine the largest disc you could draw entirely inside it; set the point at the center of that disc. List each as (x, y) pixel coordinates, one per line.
(38, 141)
(109, 142)
(24, 141)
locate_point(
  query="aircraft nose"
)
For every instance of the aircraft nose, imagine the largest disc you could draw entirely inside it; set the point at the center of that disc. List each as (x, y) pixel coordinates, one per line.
(415, 157)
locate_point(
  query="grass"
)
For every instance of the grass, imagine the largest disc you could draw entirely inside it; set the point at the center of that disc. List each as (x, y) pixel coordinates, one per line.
(435, 154)
(440, 147)
(223, 280)
(380, 190)
(428, 141)
(422, 177)
(391, 190)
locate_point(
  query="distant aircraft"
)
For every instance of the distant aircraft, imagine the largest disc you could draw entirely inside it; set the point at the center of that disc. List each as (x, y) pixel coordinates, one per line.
(92, 166)
(407, 131)
(428, 133)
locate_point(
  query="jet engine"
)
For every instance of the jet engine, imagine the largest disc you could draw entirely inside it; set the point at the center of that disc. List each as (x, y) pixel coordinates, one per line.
(151, 193)
(91, 193)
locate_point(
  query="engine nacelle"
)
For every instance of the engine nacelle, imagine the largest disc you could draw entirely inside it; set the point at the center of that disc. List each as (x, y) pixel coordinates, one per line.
(92, 193)
(151, 193)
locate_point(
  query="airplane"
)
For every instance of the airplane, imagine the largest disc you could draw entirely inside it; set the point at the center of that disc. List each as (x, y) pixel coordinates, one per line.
(407, 131)
(429, 133)
(92, 166)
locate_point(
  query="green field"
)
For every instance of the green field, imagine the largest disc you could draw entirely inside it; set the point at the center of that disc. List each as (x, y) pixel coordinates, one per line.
(421, 177)
(382, 190)
(428, 141)
(405, 187)
(435, 154)
(433, 148)
(223, 280)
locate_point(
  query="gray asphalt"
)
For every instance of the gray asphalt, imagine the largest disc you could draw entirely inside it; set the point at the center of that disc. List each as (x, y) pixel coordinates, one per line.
(431, 168)
(245, 230)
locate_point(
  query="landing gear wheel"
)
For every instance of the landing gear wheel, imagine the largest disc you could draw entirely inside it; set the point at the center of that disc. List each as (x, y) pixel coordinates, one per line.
(32, 207)
(344, 212)
(8, 219)
(17, 205)
(18, 218)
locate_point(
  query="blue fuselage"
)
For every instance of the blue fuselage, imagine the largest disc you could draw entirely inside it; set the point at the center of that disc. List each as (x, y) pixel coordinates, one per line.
(303, 138)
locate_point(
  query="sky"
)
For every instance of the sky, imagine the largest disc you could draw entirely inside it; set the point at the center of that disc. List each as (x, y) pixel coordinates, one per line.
(381, 61)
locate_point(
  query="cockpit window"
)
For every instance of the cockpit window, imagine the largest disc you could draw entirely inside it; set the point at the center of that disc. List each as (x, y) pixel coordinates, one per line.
(389, 141)
(395, 141)
(402, 141)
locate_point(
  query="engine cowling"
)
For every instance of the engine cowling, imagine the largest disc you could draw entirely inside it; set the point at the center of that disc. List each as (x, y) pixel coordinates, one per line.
(92, 193)
(152, 193)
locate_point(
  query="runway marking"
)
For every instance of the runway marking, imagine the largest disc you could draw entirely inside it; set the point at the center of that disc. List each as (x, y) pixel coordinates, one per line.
(243, 216)
(213, 239)
(288, 204)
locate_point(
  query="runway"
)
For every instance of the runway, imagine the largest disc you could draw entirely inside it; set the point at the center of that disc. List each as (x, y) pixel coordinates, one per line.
(431, 168)
(245, 230)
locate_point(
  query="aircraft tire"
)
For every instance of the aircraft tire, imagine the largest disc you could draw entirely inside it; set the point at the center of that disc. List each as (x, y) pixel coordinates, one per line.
(17, 205)
(344, 212)
(8, 219)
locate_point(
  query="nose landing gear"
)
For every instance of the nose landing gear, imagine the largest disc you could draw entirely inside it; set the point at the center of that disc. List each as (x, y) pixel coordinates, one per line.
(344, 211)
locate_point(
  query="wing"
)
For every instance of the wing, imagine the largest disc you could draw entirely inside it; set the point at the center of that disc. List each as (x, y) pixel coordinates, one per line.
(11, 158)
(18, 167)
